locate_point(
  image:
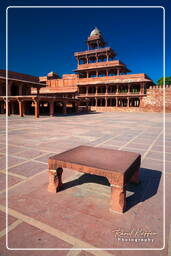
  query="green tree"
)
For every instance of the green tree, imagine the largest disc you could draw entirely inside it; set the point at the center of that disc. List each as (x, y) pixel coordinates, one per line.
(167, 81)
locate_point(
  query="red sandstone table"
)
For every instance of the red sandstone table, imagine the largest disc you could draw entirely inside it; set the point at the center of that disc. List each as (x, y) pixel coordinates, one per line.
(119, 167)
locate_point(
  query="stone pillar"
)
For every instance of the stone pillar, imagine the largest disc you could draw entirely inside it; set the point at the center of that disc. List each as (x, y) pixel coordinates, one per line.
(118, 72)
(116, 101)
(21, 108)
(128, 88)
(117, 88)
(86, 90)
(106, 92)
(127, 101)
(8, 110)
(87, 59)
(107, 57)
(96, 57)
(36, 108)
(95, 102)
(118, 198)
(139, 103)
(87, 74)
(96, 90)
(64, 108)
(106, 102)
(142, 88)
(51, 106)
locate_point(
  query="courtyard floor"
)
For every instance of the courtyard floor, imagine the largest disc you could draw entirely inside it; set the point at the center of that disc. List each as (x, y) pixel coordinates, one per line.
(78, 216)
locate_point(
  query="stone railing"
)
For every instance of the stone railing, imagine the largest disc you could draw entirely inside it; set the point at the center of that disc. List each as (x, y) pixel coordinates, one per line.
(159, 86)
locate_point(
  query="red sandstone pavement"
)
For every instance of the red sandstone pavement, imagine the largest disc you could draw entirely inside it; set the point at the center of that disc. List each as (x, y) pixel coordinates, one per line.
(79, 216)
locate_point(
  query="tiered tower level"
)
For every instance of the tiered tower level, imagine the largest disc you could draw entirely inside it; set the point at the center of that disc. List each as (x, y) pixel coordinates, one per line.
(104, 81)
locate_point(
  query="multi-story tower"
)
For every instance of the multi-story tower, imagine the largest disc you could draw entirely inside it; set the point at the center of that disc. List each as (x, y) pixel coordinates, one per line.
(103, 80)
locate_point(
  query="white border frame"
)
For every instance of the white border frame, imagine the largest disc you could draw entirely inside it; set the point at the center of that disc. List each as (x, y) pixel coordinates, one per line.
(164, 48)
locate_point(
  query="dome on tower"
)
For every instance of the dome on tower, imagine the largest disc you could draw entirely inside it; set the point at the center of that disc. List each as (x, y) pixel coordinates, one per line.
(95, 32)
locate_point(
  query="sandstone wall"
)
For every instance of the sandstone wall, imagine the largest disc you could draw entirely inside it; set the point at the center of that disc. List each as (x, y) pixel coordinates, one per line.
(154, 100)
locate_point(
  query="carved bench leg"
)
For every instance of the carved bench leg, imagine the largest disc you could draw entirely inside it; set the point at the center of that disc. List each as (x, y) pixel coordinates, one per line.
(135, 178)
(55, 180)
(118, 199)
(59, 174)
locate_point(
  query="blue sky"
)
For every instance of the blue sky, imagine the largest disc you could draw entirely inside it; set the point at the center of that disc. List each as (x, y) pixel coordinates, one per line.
(44, 40)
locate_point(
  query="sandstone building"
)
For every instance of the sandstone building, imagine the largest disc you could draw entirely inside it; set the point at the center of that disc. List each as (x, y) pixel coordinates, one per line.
(99, 83)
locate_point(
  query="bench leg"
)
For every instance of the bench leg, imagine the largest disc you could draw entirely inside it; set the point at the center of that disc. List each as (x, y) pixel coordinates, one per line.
(135, 178)
(55, 180)
(118, 199)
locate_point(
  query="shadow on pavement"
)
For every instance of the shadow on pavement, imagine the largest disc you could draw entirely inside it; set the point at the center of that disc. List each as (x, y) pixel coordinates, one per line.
(150, 180)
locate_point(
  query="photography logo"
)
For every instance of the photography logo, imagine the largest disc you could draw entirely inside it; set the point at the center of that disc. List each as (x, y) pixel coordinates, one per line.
(135, 235)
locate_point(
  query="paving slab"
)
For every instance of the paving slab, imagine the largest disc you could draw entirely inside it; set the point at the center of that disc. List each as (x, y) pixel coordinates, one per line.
(79, 214)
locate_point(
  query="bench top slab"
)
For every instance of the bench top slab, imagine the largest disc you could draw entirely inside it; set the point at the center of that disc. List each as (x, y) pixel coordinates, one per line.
(99, 158)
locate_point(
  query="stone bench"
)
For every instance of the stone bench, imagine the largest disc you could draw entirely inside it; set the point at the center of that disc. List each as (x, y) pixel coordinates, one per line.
(119, 167)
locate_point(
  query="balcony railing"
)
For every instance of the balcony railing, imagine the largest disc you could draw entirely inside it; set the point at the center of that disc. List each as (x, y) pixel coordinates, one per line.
(100, 64)
(111, 94)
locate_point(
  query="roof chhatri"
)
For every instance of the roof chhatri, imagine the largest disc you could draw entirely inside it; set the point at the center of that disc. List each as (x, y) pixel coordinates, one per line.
(95, 32)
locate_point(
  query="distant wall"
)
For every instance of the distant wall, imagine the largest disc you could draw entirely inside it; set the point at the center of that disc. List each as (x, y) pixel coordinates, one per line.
(154, 101)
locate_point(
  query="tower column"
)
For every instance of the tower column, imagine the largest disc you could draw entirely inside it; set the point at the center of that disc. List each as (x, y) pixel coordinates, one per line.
(142, 88)
(86, 90)
(36, 108)
(128, 88)
(96, 57)
(64, 108)
(127, 101)
(107, 57)
(96, 101)
(96, 90)
(8, 109)
(105, 101)
(21, 108)
(116, 101)
(117, 88)
(51, 103)
(106, 92)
